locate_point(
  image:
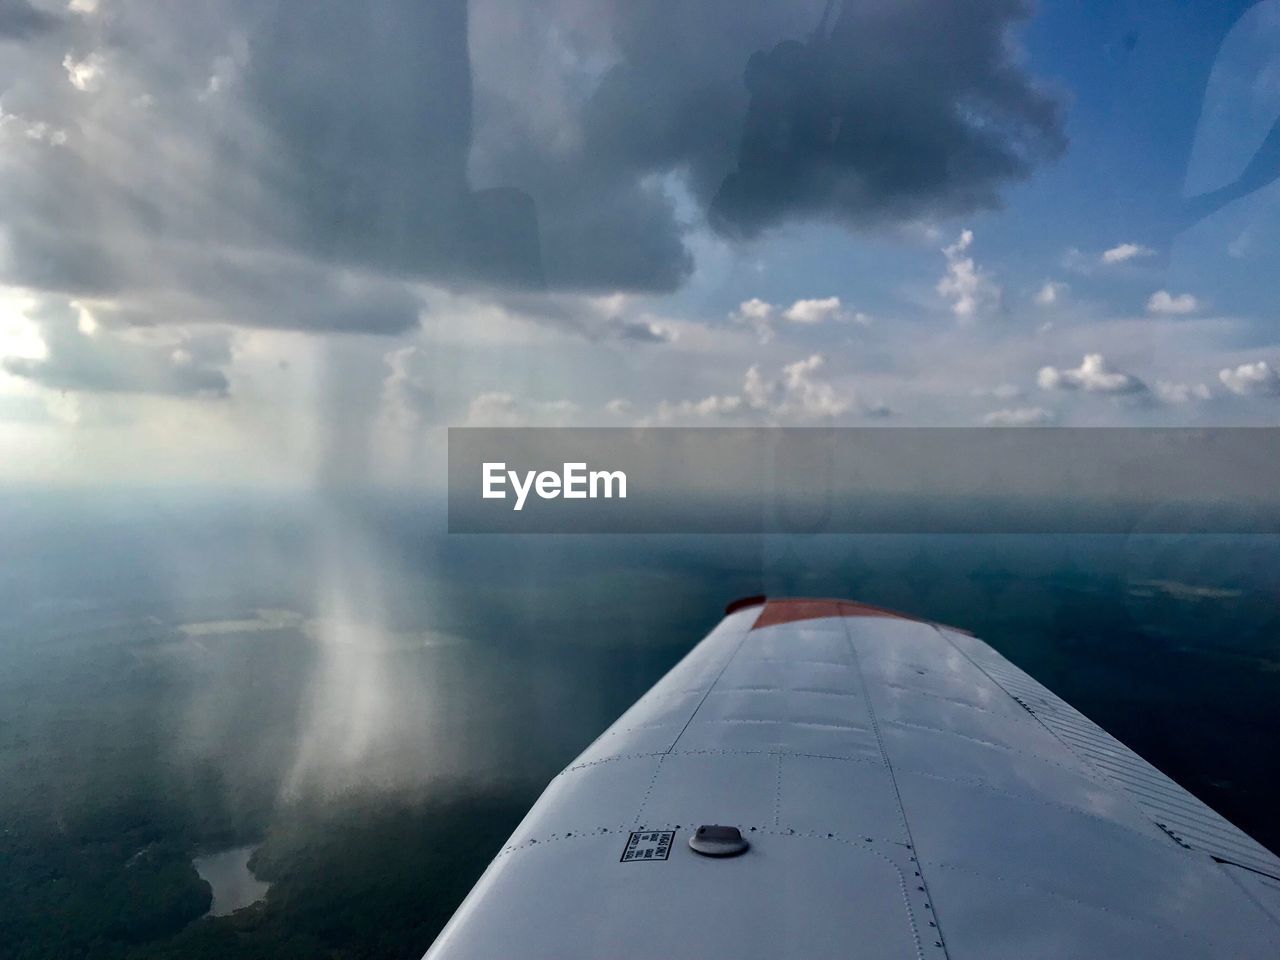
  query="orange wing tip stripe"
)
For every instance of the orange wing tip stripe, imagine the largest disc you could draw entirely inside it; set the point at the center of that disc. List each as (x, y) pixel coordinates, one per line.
(794, 610)
(755, 600)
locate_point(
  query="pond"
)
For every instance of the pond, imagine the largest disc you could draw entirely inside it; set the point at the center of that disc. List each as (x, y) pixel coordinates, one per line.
(234, 885)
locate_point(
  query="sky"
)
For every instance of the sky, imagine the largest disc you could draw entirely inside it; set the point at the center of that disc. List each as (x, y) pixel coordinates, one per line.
(264, 243)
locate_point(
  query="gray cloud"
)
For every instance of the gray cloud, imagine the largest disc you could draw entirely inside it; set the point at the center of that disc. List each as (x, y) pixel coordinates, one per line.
(899, 111)
(884, 113)
(96, 360)
(367, 114)
(1094, 375)
(525, 147)
(19, 20)
(642, 332)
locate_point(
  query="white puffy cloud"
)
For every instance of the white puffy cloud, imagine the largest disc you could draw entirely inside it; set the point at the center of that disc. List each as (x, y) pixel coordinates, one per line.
(799, 394)
(1019, 417)
(761, 315)
(757, 391)
(86, 74)
(970, 291)
(1124, 252)
(708, 408)
(808, 396)
(1092, 376)
(813, 311)
(1051, 293)
(1251, 379)
(758, 315)
(755, 309)
(1168, 304)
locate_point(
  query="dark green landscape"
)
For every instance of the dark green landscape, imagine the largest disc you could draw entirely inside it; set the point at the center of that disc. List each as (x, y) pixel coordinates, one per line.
(373, 705)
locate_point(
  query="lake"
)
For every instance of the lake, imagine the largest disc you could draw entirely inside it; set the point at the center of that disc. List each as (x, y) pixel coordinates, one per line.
(234, 885)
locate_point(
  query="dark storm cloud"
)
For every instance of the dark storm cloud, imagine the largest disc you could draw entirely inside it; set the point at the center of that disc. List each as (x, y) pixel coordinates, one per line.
(878, 112)
(19, 20)
(370, 119)
(298, 165)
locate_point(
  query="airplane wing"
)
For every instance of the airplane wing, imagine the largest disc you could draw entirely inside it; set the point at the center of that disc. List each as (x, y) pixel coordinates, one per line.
(899, 790)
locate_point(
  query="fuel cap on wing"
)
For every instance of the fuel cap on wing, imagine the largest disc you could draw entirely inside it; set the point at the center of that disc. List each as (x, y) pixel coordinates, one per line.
(716, 841)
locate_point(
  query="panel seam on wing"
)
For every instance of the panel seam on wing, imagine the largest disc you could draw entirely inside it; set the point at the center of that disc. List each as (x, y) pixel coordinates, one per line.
(1098, 772)
(1058, 895)
(657, 767)
(782, 833)
(1253, 898)
(936, 696)
(1068, 808)
(1083, 765)
(720, 673)
(777, 792)
(856, 663)
(724, 751)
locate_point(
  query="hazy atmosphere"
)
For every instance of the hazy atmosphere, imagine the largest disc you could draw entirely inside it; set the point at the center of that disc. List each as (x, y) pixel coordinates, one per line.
(257, 257)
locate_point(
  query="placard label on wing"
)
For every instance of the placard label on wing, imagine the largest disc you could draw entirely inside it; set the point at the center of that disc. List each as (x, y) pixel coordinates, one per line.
(648, 845)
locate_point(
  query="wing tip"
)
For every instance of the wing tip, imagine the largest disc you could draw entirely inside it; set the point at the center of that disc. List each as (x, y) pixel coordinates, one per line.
(778, 610)
(754, 600)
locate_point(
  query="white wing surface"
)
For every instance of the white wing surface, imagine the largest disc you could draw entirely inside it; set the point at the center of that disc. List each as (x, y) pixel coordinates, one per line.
(905, 792)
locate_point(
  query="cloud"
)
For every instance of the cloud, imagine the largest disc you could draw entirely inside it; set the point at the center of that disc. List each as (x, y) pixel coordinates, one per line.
(1092, 376)
(761, 315)
(1005, 391)
(799, 394)
(1095, 375)
(81, 356)
(708, 408)
(758, 315)
(1124, 252)
(813, 311)
(338, 141)
(644, 331)
(970, 290)
(407, 397)
(1165, 303)
(889, 113)
(568, 145)
(1180, 393)
(1251, 380)
(39, 131)
(86, 74)
(755, 309)
(759, 125)
(1019, 417)
(501, 409)
(1049, 294)
(809, 396)
(20, 20)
